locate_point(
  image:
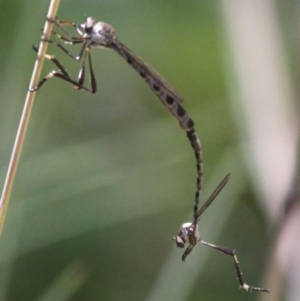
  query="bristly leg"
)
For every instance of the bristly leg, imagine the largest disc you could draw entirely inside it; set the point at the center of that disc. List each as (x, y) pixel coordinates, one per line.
(232, 253)
(64, 75)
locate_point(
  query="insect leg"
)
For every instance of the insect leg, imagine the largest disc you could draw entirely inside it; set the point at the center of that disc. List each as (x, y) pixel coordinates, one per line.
(62, 74)
(232, 253)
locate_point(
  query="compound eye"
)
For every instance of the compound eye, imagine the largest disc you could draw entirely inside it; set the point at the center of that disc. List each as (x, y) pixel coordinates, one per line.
(179, 242)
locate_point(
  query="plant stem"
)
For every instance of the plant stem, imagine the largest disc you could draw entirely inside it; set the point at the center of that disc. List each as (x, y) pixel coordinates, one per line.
(17, 149)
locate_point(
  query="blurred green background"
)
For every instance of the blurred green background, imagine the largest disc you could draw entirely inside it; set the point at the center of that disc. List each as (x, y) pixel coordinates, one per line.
(106, 180)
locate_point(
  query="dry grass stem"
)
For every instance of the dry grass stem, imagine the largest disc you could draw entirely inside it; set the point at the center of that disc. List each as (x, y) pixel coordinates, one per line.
(17, 149)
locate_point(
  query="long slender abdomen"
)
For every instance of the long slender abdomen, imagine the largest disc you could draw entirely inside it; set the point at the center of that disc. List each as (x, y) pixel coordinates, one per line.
(171, 100)
(195, 143)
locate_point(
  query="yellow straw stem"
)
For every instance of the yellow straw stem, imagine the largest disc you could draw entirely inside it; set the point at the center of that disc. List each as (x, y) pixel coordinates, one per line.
(16, 152)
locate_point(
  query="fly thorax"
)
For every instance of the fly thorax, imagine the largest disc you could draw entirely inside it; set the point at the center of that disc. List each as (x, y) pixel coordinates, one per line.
(183, 235)
(102, 34)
